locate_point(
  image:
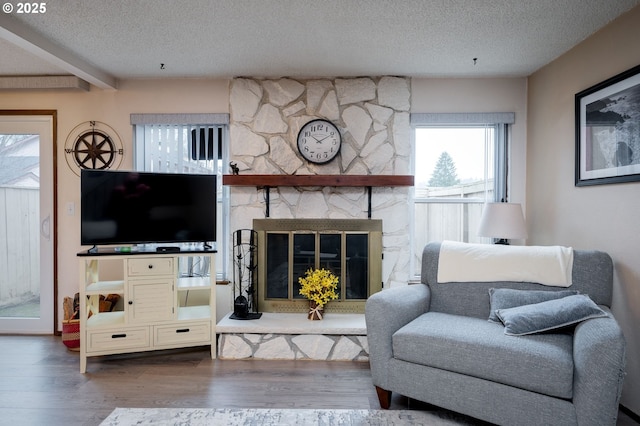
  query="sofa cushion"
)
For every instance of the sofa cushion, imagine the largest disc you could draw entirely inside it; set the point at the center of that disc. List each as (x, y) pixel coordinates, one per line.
(503, 298)
(549, 315)
(540, 363)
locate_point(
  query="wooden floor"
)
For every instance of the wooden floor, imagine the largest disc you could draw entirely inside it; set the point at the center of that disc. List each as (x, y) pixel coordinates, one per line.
(40, 383)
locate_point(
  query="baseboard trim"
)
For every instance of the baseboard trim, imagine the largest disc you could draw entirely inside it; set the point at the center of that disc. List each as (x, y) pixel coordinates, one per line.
(628, 412)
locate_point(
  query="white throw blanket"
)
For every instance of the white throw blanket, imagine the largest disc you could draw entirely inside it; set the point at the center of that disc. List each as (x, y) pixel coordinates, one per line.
(463, 262)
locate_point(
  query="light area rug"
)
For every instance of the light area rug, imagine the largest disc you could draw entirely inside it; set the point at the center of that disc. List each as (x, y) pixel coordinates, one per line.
(271, 417)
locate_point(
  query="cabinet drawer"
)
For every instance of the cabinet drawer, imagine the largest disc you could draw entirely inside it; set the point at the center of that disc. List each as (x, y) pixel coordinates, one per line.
(130, 338)
(182, 333)
(150, 266)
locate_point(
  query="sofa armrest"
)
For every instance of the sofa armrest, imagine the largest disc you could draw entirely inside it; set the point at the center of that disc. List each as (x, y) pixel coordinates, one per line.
(385, 313)
(599, 351)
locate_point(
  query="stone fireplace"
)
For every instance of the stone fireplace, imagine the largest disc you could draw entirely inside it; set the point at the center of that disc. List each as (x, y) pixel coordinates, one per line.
(372, 114)
(287, 248)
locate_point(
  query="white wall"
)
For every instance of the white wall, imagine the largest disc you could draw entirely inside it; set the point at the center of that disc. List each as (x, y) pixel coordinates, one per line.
(599, 217)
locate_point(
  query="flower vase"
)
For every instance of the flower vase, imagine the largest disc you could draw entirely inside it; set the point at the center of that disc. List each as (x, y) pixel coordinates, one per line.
(316, 312)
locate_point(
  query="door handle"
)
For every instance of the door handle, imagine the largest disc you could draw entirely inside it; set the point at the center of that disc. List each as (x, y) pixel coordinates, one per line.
(45, 228)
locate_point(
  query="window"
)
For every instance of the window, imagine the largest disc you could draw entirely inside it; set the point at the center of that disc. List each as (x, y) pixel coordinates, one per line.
(460, 163)
(187, 143)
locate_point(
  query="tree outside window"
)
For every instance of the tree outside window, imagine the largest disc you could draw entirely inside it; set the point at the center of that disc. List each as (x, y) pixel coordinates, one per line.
(444, 173)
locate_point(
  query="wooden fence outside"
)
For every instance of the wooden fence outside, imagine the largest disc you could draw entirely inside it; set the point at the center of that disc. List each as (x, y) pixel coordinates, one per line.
(451, 213)
(19, 245)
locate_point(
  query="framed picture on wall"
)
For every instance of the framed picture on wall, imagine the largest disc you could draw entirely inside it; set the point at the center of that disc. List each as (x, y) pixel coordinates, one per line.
(608, 131)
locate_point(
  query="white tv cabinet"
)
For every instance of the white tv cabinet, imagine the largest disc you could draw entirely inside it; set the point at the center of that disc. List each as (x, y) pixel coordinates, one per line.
(156, 311)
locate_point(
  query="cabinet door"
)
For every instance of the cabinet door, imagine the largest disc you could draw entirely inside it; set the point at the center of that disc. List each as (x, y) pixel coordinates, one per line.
(150, 301)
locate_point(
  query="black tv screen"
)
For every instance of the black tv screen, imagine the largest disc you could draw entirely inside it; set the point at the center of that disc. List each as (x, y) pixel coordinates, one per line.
(127, 207)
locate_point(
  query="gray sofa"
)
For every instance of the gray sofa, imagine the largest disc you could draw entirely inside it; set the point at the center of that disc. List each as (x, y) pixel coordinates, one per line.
(432, 342)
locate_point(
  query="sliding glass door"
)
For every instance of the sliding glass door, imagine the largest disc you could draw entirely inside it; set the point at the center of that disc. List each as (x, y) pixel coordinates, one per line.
(26, 223)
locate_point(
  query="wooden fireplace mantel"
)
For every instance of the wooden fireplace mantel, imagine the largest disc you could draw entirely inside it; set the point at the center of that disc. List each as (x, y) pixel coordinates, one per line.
(317, 180)
(272, 181)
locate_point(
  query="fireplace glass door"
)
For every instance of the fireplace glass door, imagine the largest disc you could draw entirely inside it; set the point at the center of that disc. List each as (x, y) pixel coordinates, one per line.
(277, 266)
(343, 253)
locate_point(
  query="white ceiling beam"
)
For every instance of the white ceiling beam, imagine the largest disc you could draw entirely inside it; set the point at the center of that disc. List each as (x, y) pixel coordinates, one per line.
(38, 82)
(23, 37)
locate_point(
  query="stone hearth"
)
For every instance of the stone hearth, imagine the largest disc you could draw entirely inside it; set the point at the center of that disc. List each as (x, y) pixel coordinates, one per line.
(291, 336)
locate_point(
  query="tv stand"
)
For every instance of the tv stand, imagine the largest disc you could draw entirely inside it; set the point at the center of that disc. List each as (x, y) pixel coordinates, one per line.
(160, 306)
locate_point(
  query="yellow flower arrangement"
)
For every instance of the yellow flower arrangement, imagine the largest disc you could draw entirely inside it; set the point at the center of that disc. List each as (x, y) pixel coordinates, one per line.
(319, 285)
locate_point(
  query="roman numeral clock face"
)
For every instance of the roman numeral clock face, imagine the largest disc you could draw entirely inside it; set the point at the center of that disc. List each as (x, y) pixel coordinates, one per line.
(319, 141)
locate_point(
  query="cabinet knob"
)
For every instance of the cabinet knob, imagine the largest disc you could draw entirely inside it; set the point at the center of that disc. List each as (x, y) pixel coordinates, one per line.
(150, 266)
(131, 302)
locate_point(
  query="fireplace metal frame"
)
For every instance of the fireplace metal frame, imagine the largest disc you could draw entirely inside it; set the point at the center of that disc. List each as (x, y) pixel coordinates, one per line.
(372, 227)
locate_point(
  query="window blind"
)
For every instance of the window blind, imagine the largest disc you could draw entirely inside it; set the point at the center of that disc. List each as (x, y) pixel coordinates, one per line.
(178, 148)
(468, 118)
(179, 143)
(200, 118)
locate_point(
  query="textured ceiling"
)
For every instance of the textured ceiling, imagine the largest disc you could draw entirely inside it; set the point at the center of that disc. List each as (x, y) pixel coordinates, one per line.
(298, 38)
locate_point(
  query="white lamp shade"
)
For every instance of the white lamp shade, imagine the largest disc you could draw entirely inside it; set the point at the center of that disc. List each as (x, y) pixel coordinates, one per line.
(502, 220)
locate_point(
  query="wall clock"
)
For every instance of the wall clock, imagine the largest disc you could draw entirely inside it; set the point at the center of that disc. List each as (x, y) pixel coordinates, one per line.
(93, 145)
(319, 141)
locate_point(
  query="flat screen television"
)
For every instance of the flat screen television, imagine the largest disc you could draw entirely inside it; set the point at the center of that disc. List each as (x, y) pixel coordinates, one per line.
(128, 207)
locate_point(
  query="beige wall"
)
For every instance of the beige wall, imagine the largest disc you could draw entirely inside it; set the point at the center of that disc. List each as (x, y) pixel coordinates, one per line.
(603, 217)
(482, 95)
(112, 108)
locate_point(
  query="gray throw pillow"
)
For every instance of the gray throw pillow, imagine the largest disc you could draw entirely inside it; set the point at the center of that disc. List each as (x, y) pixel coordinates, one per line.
(503, 298)
(549, 315)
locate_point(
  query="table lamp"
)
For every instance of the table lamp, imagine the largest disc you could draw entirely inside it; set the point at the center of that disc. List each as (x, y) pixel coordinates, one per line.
(502, 221)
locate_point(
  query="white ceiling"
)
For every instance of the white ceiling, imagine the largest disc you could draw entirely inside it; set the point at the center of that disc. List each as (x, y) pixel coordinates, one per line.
(103, 41)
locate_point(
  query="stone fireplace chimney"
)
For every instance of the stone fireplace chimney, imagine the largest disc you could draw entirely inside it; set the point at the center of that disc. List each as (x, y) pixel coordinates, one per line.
(372, 114)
